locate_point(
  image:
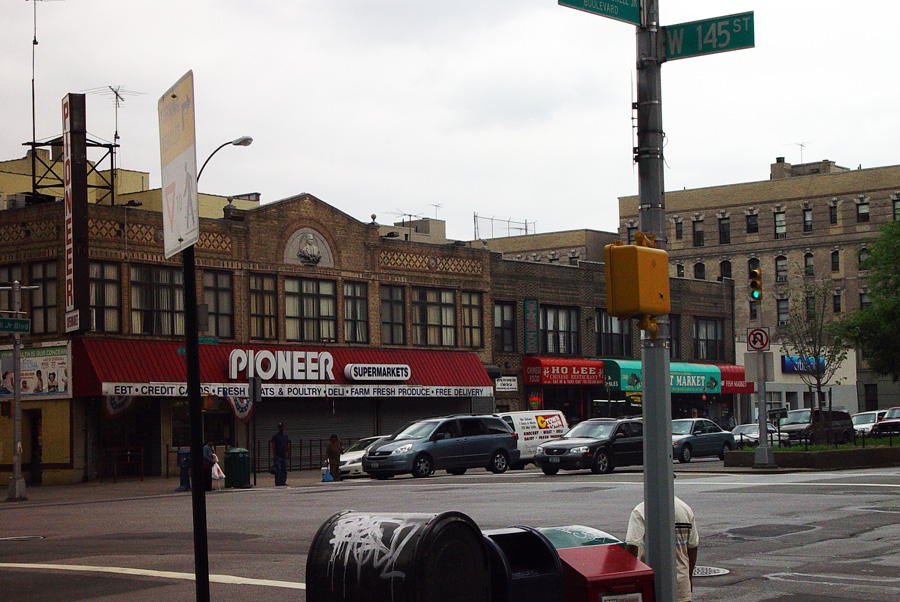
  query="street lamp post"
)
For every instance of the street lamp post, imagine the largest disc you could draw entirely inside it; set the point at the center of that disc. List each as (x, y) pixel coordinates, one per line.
(242, 141)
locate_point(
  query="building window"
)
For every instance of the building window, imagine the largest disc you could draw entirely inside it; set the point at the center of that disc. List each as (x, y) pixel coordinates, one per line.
(724, 230)
(807, 220)
(862, 212)
(870, 393)
(864, 300)
(754, 311)
(783, 310)
(679, 229)
(709, 339)
(698, 233)
(472, 319)
(157, 300)
(310, 310)
(835, 261)
(218, 295)
(434, 317)
(675, 342)
(833, 214)
(699, 271)
(356, 312)
(8, 275)
(781, 271)
(808, 267)
(559, 330)
(724, 270)
(836, 303)
(393, 315)
(630, 232)
(43, 299)
(679, 270)
(780, 225)
(106, 296)
(613, 335)
(263, 307)
(505, 327)
(810, 308)
(752, 223)
(863, 255)
(752, 264)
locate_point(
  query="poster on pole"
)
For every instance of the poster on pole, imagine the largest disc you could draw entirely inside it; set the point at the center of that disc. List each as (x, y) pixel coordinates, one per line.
(178, 157)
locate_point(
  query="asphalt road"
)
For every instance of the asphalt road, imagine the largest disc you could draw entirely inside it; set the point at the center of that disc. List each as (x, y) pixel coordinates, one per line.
(797, 537)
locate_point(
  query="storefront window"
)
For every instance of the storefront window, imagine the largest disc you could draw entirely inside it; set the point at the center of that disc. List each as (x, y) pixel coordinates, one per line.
(614, 335)
(219, 298)
(356, 312)
(157, 300)
(434, 317)
(472, 319)
(218, 423)
(559, 330)
(263, 307)
(106, 294)
(310, 310)
(709, 339)
(43, 300)
(505, 326)
(393, 315)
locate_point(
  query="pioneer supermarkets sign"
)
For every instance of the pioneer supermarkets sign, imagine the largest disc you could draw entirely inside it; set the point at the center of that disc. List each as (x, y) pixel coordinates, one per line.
(294, 390)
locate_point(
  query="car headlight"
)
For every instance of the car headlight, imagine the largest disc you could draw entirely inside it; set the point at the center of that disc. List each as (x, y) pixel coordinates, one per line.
(579, 450)
(402, 449)
(539, 450)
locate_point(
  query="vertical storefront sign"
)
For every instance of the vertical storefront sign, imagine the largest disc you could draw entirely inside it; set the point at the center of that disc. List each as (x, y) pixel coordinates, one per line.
(75, 202)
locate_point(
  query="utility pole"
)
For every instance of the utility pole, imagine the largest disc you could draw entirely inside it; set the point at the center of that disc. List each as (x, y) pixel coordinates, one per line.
(17, 490)
(659, 486)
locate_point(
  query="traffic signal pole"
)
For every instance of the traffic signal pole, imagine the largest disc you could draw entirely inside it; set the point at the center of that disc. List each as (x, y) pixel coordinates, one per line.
(659, 486)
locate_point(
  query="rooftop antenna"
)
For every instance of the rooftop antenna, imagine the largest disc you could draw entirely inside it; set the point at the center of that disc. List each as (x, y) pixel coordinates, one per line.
(436, 207)
(117, 94)
(34, 43)
(802, 145)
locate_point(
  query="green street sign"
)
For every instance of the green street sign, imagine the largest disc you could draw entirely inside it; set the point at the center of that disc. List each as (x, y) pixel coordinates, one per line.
(11, 325)
(208, 340)
(709, 36)
(628, 11)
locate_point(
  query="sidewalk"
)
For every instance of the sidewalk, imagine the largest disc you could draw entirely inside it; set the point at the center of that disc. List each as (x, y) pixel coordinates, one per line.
(134, 487)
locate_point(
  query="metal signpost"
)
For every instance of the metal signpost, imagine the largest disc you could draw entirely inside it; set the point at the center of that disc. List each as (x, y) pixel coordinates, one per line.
(758, 342)
(659, 490)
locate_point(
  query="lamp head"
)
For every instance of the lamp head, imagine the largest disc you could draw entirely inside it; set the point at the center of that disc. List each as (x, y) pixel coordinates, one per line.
(242, 141)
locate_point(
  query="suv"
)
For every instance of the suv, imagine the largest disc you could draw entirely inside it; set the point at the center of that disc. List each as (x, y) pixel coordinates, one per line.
(890, 424)
(864, 421)
(807, 425)
(451, 443)
(600, 444)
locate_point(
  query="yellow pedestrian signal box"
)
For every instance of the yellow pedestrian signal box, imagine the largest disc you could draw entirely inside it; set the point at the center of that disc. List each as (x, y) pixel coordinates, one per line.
(755, 285)
(637, 281)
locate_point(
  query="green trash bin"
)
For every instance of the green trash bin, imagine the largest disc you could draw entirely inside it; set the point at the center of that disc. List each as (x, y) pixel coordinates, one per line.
(237, 468)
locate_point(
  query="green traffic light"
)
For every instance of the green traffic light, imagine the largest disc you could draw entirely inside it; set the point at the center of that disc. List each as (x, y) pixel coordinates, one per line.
(755, 295)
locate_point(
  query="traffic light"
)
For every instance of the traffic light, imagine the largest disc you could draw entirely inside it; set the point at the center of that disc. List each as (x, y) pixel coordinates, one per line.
(637, 281)
(755, 284)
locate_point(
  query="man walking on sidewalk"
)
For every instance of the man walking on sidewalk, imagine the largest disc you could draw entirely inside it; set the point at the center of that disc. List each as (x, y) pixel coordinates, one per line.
(280, 443)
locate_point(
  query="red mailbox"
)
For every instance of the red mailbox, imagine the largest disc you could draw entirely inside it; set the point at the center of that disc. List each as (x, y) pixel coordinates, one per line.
(605, 574)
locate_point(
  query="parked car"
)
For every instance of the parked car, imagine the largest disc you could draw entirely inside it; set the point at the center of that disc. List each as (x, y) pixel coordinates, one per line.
(748, 435)
(533, 428)
(806, 425)
(890, 424)
(451, 443)
(864, 421)
(600, 444)
(351, 460)
(697, 437)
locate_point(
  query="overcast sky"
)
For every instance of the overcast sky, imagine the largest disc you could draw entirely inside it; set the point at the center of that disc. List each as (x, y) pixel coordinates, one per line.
(513, 109)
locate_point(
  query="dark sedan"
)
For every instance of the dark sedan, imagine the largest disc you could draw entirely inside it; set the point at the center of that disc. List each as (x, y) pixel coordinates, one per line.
(697, 437)
(599, 444)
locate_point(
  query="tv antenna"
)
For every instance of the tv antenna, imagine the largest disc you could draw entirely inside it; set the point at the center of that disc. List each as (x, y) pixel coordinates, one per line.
(117, 94)
(34, 43)
(436, 207)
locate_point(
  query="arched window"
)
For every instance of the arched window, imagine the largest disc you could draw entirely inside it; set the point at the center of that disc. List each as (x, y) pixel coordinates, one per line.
(700, 271)
(781, 272)
(808, 268)
(724, 270)
(679, 271)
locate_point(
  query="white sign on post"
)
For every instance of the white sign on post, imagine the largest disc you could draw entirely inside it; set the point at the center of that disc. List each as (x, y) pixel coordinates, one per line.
(178, 157)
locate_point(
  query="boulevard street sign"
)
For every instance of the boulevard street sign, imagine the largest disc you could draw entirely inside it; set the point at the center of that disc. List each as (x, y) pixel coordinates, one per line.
(628, 11)
(708, 36)
(11, 325)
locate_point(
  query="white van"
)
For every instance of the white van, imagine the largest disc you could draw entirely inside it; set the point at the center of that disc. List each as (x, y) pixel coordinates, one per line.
(534, 428)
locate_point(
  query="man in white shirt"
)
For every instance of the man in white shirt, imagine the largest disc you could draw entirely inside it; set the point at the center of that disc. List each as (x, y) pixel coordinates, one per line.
(687, 539)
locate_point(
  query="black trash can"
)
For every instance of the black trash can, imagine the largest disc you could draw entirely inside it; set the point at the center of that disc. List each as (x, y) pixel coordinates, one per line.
(398, 557)
(525, 566)
(237, 468)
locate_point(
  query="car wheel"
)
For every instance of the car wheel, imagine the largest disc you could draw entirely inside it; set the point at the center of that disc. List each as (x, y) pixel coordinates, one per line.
(685, 456)
(602, 464)
(549, 470)
(456, 471)
(726, 447)
(499, 462)
(422, 466)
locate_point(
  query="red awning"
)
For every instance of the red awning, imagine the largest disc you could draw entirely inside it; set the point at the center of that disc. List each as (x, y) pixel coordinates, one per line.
(733, 379)
(562, 371)
(99, 361)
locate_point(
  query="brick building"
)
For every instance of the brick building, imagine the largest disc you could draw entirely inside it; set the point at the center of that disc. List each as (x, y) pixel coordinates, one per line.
(809, 221)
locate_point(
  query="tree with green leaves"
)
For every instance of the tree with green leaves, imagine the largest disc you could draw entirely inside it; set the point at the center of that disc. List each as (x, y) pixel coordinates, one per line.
(811, 334)
(871, 329)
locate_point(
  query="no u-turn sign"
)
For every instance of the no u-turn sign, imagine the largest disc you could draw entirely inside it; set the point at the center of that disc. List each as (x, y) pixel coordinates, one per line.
(758, 339)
